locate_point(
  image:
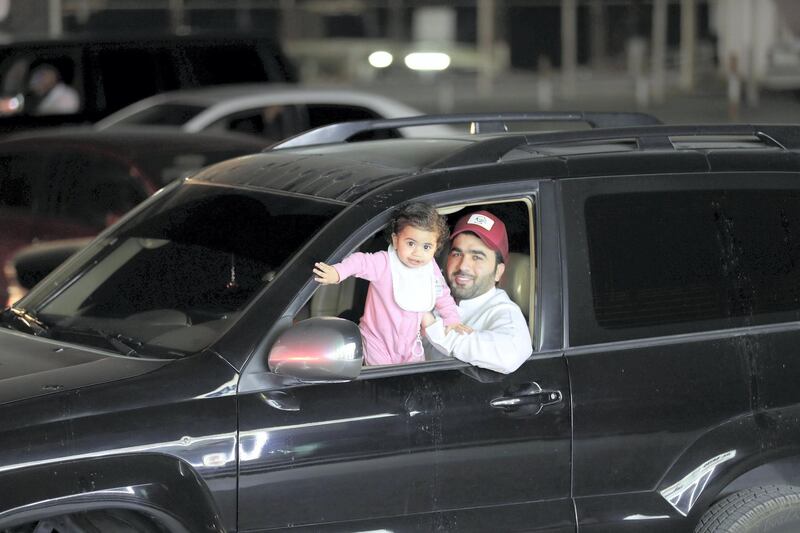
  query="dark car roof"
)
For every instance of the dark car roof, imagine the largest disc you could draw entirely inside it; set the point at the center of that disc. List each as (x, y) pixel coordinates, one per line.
(348, 171)
(342, 172)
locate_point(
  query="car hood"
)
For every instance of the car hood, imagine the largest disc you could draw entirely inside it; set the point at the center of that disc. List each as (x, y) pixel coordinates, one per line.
(32, 366)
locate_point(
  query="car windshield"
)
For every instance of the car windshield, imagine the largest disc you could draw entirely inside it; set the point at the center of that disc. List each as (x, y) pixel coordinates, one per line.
(171, 279)
(163, 115)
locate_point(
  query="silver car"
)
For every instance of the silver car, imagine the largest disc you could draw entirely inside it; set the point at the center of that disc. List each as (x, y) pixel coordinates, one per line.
(271, 111)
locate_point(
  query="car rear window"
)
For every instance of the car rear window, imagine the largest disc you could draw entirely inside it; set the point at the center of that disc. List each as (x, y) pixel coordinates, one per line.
(670, 262)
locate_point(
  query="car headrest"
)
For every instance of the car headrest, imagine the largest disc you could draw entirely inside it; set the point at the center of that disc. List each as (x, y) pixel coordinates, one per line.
(516, 281)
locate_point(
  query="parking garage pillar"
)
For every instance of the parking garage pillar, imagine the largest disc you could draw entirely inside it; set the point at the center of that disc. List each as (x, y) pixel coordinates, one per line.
(658, 56)
(486, 34)
(569, 46)
(688, 43)
(598, 33)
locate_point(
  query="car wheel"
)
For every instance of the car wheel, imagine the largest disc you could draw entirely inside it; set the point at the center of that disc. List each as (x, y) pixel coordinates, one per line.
(767, 509)
(116, 520)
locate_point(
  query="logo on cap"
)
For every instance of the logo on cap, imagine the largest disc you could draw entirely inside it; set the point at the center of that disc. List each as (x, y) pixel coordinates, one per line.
(482, 221)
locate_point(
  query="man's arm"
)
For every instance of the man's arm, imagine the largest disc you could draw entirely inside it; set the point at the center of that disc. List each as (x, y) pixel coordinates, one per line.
(502, 343)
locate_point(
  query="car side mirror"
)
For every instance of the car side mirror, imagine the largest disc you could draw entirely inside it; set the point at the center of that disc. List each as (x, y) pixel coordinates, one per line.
(319, 350)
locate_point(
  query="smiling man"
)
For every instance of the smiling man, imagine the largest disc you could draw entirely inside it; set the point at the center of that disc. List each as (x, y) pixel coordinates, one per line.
(500, 339)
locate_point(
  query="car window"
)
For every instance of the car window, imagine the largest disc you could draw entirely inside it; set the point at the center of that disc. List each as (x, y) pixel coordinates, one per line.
(277, 122)
(26, 89)
(130, 74)
(679, 261)
(273, 122)
(346, 299)
(232, 63)
(175, 275)
(324, 114)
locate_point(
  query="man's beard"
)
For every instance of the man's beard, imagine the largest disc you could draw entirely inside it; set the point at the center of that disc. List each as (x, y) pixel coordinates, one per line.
(479, 285)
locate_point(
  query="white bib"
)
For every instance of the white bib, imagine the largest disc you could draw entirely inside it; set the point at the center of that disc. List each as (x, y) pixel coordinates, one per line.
(414, 288)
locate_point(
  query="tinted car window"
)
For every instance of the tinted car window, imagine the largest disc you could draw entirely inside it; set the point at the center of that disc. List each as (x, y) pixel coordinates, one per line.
(673, 262)
(232, 64)
(175, 275)
(278, 122)
(320, 114)
(132, 74)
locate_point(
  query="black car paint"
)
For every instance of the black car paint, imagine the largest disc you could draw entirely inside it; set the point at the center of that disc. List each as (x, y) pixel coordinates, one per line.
(643, 414)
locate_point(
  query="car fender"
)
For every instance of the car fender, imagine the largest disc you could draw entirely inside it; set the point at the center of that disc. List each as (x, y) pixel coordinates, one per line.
(159, 486)
(709, 463)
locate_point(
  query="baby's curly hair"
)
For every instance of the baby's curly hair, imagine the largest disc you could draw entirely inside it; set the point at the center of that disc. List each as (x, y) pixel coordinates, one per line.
(421, 215)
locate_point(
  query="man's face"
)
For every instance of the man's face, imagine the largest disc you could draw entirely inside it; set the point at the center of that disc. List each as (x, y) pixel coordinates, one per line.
(472, 267)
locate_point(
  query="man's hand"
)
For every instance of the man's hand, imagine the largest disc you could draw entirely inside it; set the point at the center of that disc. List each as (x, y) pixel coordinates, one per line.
(461, 329)
(325, 274)
(428, 319)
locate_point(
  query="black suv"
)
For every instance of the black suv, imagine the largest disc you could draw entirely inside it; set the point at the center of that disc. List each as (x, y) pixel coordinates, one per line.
(109, 73)
(185, 373)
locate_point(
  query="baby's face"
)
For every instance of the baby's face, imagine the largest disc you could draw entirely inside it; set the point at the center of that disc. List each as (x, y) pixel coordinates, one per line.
(415, 247)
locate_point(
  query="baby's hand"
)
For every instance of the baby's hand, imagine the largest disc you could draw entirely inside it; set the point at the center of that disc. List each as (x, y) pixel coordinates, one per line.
(428, 319)
(325, 274)
(461, 329)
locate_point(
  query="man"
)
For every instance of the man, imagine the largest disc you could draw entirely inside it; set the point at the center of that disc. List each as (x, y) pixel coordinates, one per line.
(500, 339)
(53, 95)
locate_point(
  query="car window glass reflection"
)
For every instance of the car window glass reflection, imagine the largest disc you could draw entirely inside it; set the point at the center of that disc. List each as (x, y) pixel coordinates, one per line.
(176, 275)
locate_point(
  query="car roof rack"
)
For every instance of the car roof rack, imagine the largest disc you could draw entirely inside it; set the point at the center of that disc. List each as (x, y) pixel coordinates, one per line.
(479, 123)
(660, 137)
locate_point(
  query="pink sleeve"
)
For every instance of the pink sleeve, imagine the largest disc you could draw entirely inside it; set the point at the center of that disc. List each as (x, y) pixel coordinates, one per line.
(445, 304)
(365, 266)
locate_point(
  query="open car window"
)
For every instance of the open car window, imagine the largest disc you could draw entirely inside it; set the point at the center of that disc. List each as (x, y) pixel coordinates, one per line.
(346, 299)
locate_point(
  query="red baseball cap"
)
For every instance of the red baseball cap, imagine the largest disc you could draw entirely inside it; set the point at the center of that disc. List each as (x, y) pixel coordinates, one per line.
(487, 227)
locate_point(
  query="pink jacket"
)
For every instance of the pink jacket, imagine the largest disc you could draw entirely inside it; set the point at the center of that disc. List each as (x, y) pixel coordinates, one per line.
(390, 332)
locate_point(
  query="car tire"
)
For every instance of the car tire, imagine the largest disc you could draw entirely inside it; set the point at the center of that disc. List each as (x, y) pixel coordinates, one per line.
(767, 509)
(116, 520)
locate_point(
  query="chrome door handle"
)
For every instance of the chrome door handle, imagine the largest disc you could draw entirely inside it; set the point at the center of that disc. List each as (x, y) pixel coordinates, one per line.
(530, 395)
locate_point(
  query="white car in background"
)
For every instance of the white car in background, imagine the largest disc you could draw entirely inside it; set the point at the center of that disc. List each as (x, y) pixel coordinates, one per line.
(271, 111)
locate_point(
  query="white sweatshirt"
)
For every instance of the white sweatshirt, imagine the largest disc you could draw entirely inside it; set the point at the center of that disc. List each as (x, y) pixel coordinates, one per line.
(501, 340)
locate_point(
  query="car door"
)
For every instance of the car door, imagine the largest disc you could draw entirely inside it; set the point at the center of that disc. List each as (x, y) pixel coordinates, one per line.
(426, 446)
(677, 285)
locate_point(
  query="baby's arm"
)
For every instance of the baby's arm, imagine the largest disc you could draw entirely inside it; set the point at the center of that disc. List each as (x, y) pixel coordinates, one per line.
(325, 274)
(358, 264)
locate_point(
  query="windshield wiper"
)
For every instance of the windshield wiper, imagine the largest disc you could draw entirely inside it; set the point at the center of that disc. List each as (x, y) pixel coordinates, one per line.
(28, 319)
(121, 343)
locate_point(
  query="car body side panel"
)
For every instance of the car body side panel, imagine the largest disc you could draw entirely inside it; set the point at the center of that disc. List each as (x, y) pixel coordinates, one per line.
(185, 410)
(150, 483)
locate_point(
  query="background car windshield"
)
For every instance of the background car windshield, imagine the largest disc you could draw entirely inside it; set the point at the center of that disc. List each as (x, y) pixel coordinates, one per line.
(175, 276)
